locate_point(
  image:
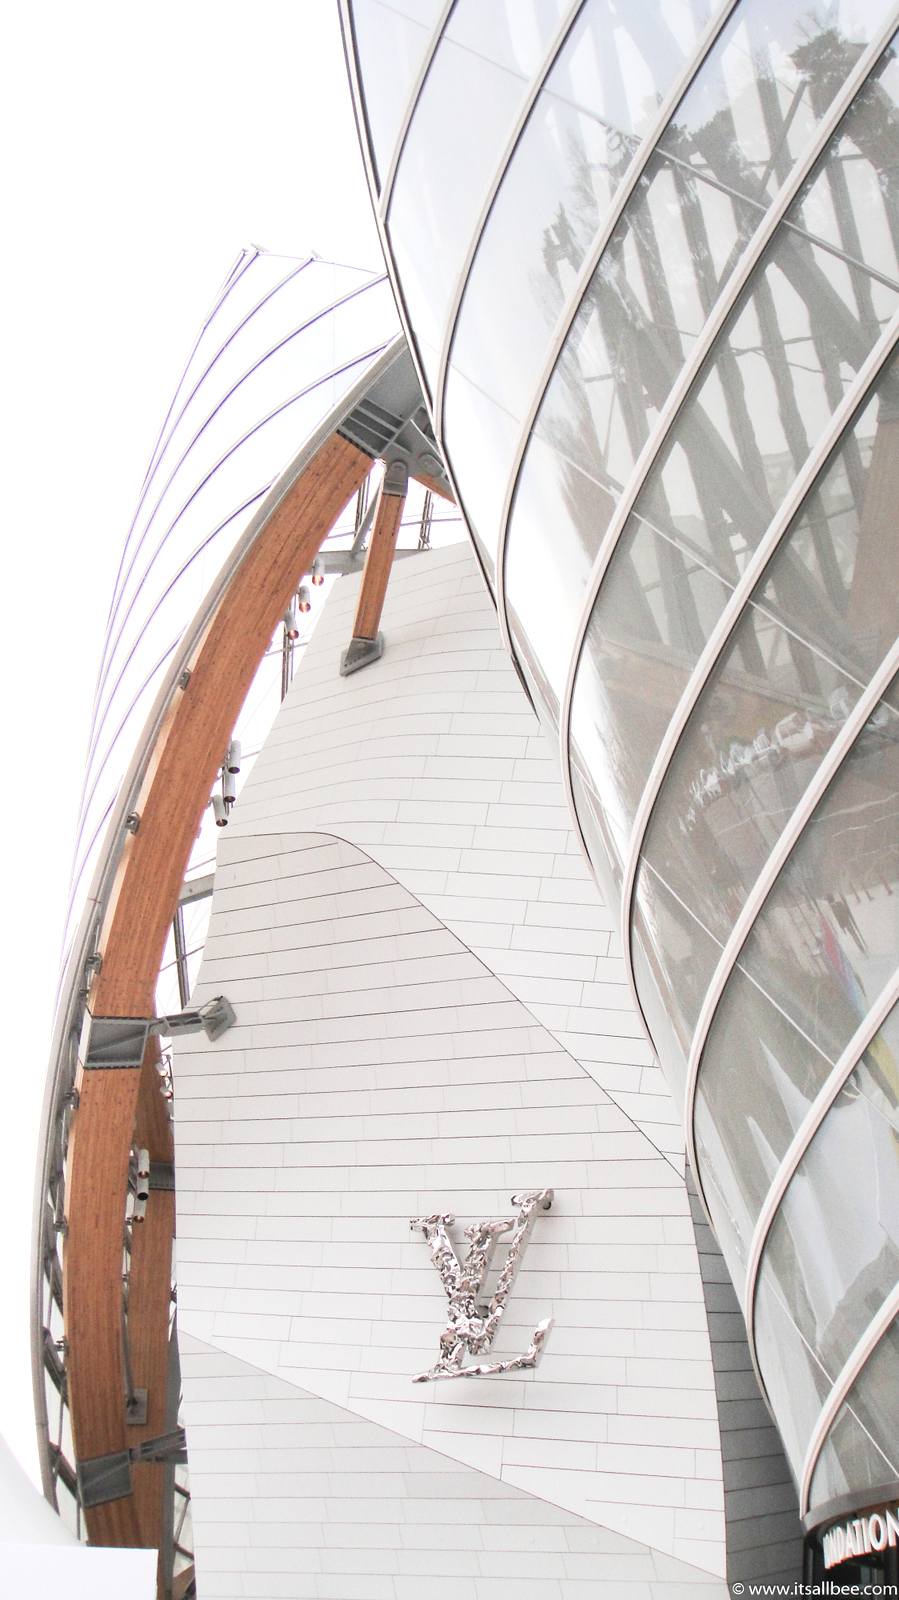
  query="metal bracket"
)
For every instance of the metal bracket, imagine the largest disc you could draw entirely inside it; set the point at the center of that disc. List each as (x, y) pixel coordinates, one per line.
(360, 653)
(136, 1408)
(108, 1478)
(121, 1041)
(104, 1478)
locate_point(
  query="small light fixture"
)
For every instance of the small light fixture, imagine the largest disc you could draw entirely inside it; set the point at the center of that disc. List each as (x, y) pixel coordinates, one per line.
(232, 759)
(290, 624)
(229, 787)
(318, 572)
(303, 601)
(219, 811)
(141, 1187)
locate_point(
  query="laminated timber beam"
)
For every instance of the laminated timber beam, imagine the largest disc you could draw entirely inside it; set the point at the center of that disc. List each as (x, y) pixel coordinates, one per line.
(367, 644)
(113, 1102)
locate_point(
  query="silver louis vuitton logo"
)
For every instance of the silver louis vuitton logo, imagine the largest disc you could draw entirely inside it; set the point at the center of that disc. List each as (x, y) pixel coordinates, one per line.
(472, 1324)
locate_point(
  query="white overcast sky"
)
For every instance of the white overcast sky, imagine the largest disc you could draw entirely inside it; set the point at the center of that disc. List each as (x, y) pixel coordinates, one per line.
(144, 146)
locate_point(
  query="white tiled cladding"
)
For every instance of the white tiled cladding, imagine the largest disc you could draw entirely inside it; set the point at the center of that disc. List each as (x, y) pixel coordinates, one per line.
(377, 1071)
(295, 1497)
(433, 762)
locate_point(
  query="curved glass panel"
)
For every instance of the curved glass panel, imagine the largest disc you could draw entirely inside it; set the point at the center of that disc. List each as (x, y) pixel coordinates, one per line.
(391, 40)
(664, 1037)
(834, 1244)
(816, 628)
(859, 1452)
(814, 310)
(283, 342)
(600, 845)
(477, 80)
(597, 104)
(634, 666)
(796, 1383)
(819, 954)
(792, 346)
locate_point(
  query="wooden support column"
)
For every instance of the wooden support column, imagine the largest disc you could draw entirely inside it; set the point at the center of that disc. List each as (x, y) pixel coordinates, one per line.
(149, 1295)
(366, 644)
(180, 774)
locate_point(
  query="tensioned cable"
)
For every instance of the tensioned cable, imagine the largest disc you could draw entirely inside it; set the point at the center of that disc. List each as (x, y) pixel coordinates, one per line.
(550, 56)
(690, 374)
(626, 187)
(96, 773)
(414, 95)
(852, 1369)
(861, 1040)
(789, 838)
(169, 424)
(196, 627)
(310, 322)
(363, 357)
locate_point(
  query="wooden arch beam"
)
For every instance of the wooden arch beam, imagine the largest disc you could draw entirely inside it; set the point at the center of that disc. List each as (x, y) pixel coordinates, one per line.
(174, 794)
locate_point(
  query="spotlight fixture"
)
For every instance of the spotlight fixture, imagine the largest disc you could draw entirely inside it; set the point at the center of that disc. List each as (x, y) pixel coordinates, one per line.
(318, 572)
(229, 787)
(303, 601)
(219, 811)
(291, 630)
(232, 759)
(141, 1187)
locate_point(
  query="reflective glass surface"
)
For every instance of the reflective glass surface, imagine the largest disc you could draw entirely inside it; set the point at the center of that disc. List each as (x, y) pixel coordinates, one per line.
(391, 39)
(859, 1452)
(817, 627)
(282, 343)
(797, 1384)
(825, 941)
(834, 1243)
(618, 62)
(655, 1011)
(815, 308)
(822, 949)
(466, 110)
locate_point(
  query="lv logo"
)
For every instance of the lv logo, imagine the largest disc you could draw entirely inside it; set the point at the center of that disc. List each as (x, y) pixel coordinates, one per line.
(472, 1323)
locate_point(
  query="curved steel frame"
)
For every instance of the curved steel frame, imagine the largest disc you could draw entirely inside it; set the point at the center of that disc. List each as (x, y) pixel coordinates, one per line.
(689, 375)
(866, 1346)
(535, 89)
(385, 193)
(841, 421)
(107, 886)
(854, 401)
(570, 310)
(352, 66)
(764, 883)
(861, 1040)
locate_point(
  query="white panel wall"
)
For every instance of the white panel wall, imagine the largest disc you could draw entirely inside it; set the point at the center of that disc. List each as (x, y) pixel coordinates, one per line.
(295, 1497)
(379, 1071)
(382, 1067)
(433, 762)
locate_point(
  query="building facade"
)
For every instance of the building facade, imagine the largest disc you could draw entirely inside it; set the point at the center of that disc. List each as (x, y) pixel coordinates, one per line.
(646, 257)
(298, 380)
(645, 263)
